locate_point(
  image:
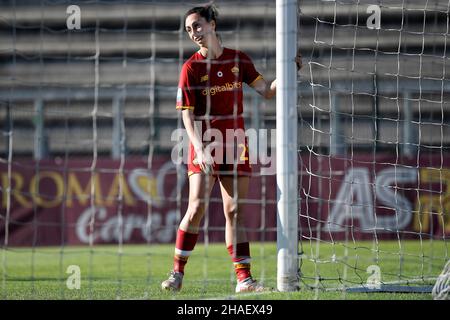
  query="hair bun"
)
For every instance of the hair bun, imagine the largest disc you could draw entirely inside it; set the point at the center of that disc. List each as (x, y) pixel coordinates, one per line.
(212, 11)
(208, 11)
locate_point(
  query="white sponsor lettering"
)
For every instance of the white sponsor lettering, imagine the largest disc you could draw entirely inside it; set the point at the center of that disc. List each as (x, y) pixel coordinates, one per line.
(387, 193)
(354, 203)
(115, 228)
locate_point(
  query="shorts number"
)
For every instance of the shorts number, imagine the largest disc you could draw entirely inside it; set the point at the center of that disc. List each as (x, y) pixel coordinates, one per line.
(244, 151)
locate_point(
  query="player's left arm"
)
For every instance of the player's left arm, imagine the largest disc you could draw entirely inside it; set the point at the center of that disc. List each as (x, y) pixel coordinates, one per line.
(268, 90)
(265, 89)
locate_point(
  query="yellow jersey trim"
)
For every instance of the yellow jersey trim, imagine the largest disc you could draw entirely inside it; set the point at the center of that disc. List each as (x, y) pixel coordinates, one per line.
(190, 173)
(185, 107)
(257, 78)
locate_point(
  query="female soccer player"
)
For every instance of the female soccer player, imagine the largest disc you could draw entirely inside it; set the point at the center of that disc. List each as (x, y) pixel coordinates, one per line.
(210, 93)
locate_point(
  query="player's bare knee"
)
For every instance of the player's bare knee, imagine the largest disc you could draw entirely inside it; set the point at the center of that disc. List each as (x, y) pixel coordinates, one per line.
(230, 212)
(195, 210)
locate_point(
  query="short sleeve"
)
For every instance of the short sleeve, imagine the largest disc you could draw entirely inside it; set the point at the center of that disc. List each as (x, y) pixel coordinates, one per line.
(250, 74)
(186, 89)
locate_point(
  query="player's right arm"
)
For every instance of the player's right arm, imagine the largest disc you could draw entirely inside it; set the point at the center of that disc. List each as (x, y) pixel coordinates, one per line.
(192, 131)
(202, 157)
(186, 101)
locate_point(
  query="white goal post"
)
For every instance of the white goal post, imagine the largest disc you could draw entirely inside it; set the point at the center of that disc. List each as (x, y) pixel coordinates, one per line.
(287, 162)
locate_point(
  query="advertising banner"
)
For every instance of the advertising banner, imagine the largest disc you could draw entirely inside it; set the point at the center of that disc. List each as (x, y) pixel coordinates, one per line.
(76, 202)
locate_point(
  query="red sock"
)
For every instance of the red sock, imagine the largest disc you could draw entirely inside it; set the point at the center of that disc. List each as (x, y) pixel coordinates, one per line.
(184, 245)
(241, 260)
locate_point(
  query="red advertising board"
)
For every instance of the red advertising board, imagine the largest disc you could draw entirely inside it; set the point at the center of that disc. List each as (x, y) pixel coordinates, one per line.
(77, 202)
(55, 202)
(386, 196)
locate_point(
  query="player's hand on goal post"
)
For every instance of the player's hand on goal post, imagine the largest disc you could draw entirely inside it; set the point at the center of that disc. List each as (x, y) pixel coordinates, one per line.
(298, 60)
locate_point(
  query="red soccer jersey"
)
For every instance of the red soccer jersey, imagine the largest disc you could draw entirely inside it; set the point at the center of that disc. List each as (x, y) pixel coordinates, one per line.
(215, 87)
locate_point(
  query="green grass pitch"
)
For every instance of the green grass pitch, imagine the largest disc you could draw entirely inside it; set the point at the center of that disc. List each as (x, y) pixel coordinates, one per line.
(136, 271)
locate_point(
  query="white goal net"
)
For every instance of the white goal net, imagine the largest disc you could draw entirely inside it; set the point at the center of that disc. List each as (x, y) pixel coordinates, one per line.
(87, 115)
(374, 134)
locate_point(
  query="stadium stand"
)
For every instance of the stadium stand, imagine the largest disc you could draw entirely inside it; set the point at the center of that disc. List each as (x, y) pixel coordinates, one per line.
(50, 82)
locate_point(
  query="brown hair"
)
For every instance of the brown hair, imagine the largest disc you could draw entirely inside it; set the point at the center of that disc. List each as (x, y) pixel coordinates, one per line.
(209, 12)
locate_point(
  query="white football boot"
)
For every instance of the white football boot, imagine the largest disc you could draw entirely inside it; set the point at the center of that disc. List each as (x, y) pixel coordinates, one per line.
(249, 285)
(174, 282)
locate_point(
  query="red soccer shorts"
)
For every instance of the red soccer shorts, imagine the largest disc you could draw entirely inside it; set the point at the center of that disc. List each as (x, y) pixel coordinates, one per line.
(230, 154)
